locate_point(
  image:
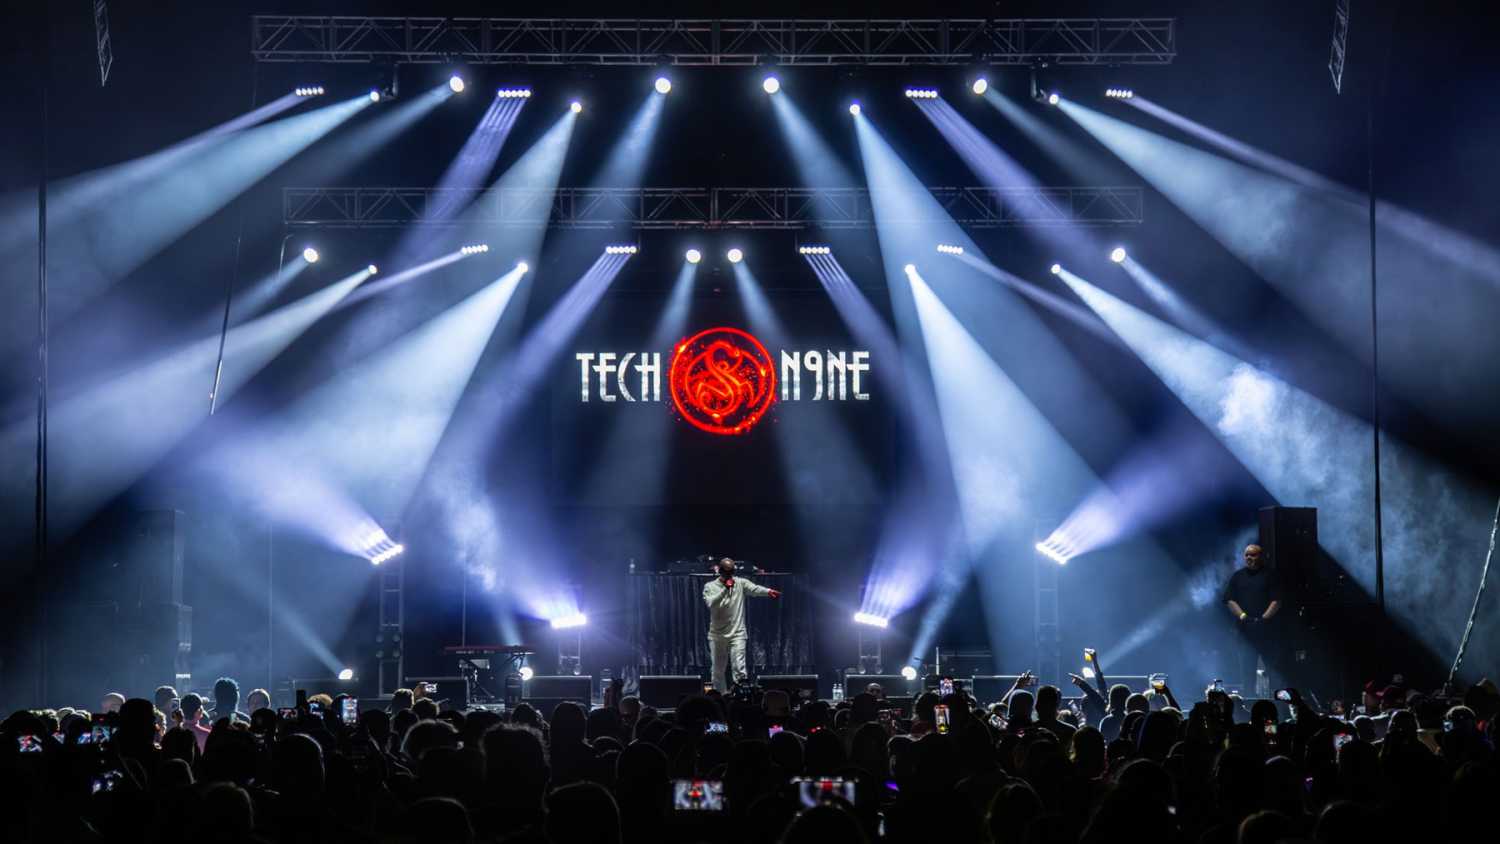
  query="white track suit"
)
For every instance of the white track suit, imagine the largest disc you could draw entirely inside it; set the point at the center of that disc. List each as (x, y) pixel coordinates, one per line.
(726, 626)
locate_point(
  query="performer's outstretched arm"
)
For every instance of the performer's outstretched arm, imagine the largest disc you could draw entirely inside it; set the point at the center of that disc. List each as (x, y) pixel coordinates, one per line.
(755, 590)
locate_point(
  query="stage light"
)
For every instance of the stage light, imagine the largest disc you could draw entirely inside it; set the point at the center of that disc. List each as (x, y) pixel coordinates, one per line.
(374, 95)
(526, 673)
(1117, 255)
(735, 255)
(693, 256)
(854, 109)
(390, 553)
(950, 249)
(1053, 98)
(814, 250)
(663, 85)
(908, 673)
(621, 249)
(872, 620)
(347, 674)
(1057, 269)
(456, 84)
(513, 93)
(310, 255)
(910, 269)
(1119, 93)
(523, 267)
(575, 106)
(310, 91)
(474, 249)
(980, 85)
(1053, 552)
(372, 269)
(771, 84)
(569, 621)
(921, 93)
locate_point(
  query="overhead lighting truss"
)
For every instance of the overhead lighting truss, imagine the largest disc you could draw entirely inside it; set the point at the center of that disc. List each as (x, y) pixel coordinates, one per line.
(710, 42)
(697, 208)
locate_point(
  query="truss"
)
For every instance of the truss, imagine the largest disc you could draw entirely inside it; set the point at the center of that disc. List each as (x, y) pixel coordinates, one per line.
(1340, 48)
(697, 208)
(698, 42)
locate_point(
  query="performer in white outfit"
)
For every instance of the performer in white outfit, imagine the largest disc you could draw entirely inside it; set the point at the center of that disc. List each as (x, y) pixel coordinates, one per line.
(725, 596)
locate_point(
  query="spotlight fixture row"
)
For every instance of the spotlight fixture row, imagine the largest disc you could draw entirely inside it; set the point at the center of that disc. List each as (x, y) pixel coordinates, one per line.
(475, 249)
(950, 249)
(513, 93)
(310, 91)
(1119, 93)
(624, 249)
(814, 250)
(921, 93)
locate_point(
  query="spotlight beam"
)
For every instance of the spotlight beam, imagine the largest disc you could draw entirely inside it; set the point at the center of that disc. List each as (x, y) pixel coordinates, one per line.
(109, 435)
(111, 240)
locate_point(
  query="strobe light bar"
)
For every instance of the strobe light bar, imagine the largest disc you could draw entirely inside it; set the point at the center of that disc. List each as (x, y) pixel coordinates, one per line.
(474, 249)
(621, 249)
(921, 93)
(1056, 548)
(1119, 93)
(513, 93)
(814, 250)
(377, 547)
(569, 621)
(871, 620)
(309, 91)
(950, 249)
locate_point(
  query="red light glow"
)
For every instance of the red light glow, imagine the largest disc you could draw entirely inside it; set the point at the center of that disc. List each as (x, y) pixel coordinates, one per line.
(722, 380)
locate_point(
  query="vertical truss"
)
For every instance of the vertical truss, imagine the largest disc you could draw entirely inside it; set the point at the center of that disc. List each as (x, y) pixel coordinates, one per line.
(708, 42)
(1340, 43)
(102, 47)
(698, 208)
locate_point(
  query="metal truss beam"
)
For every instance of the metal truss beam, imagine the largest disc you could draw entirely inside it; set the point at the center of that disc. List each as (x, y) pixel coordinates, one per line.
(1340, 47)
(708, 42)
(697, 208)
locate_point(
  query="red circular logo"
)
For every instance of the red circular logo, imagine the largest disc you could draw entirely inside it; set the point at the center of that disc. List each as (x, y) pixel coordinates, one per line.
(722, 380)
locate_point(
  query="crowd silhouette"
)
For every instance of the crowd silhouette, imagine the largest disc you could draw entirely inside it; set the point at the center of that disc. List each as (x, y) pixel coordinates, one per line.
(1115, 765)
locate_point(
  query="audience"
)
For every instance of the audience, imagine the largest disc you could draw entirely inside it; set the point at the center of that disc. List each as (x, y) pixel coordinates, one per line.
(1031, 768)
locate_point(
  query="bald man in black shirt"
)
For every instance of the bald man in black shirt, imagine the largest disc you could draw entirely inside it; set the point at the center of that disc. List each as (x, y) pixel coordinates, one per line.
(1253, 597)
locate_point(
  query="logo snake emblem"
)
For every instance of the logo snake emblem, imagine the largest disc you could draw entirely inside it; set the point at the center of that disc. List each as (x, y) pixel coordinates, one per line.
(722, 380)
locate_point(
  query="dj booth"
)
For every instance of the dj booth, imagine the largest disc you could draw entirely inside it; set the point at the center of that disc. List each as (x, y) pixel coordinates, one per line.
(669, 625)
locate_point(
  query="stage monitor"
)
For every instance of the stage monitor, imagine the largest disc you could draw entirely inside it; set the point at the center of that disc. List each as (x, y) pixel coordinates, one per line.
(797, 686)
(665, 691)
(577, 688)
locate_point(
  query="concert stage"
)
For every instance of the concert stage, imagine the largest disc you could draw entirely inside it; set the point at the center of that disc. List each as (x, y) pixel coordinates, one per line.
(989, 340)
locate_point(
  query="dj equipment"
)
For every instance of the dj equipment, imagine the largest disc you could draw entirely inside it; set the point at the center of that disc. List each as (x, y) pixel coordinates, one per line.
(490, 650)
(485, 677)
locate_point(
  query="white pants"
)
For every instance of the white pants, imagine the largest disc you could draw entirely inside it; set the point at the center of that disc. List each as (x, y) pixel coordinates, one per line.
(727, 652)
